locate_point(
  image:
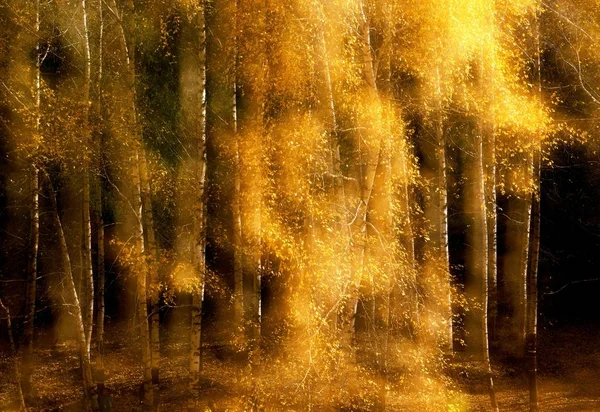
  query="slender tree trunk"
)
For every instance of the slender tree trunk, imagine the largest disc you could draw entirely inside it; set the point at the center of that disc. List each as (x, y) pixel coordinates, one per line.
(260, 257)
(406, 226)
(87, 302)
(371, 176)
(334, 144)
(375, 223)
(34, 227)
(520, 302)
(534, 254)
(489, 153)
(443, 217)
(88, 289)
(199, 216)
(15, 356)
(359, 286)
(256, 301)
(339, 191)
(531, 326)
(238, 238)
(532, 268)
(144, 222)
(407, 238)
(152, 257)
(483, 264)
(99, 215)
(90, 398)
(30, 296)
(489, 164)
(368, 69)
(142, 278)
(100, 314)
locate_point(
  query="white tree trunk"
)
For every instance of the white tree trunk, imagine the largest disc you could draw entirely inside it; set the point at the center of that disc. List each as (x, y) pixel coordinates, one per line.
(444, 257)
(199, 211)
(74, 305)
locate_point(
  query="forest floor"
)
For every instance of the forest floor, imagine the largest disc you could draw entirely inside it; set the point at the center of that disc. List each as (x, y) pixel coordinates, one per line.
(569, 376)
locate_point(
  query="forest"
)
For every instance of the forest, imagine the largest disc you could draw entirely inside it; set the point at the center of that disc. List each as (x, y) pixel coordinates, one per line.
(300, 205)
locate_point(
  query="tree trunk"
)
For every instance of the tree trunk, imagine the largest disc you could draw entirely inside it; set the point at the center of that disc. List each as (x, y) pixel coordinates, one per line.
(358, 284)
(199, 212)
(30, 295)
(87, 303)
(336, 163)
(375, 225)
(100, 298)
(15, 356)
(100, 375)
(407, 242)
(90, 398)
(483, 265)
(338, 183)
(152, 257)
(520, 301)
(532, 268)
(142, 293)
(238, 237)
(145, 231)
(442, 223)
(489, 153)
(534, 254)
(34, 226)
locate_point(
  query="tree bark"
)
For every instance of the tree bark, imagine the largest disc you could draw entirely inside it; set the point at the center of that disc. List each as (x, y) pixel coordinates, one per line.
(489, 153)
(442, 223)
(90, 398)
(100, 314)
(483, 264)
(145, 242)
(359, 285)
(238, 236)
(15, 355)
(142, 293)
(338, 182)
(534, 254)
(30, 295)
(34, 226)
(199, 216)
(375, 225)
(531, 323)
(152, 257)
(520, 301)
(87, 302)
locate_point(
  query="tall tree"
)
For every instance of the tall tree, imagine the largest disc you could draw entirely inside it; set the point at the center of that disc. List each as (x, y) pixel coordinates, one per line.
(89, 395)
(86, 247)
(534, 242)
(482, 266)
(34, 216)
(15, 355)
(145, 241)
(101, 282)
(442, 212)
(238, 236)
(193, 74)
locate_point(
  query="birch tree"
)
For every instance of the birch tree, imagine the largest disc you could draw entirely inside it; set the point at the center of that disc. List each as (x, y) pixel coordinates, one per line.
(101, 276)
(145, 239)
(15, 356)
(193, 95)
(534, 243)
(89, 396)
(34, 216)
(86, 248)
